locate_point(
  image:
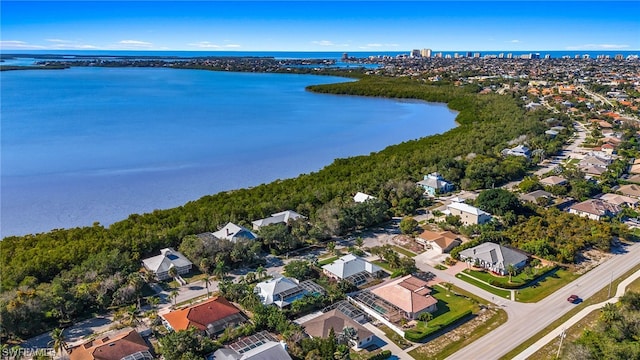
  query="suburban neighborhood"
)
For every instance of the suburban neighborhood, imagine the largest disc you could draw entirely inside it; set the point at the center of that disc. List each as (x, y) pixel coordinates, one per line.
(439, 272)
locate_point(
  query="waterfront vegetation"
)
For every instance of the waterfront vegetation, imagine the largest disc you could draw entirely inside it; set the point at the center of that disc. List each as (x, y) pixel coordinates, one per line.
(56, 277)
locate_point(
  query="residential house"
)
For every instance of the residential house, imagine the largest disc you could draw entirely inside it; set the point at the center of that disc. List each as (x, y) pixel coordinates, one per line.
(168, 258)
(233, 232)
(469, 215)
(494, 257)
(620, 200)
(634, 169)
(635, 179)
(607, 148)
(595, 209)
(442, 242)
(566, 89)
(259, 346)
(434, 183)
(409, 294)
(591, 171)
(535, 195)
(353, 269)
(553, 181)
(282, 291)
(519, 150)
(322, 325)
(211, 317)
(128, 345)
(631, 190)
(596, 161)
(361, 197)
(282, 217)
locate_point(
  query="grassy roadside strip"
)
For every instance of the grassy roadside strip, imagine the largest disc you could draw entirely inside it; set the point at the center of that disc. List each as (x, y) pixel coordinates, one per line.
(498, 292)
(496, 320)
(546, 286)
(598, 297)
(403, 251)
(394, 337)
(574, 332)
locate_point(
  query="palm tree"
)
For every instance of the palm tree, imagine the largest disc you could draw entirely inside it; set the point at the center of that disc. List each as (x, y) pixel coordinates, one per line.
(220, 270)
(511, 270)
(359, 242)
(250, 277)
(173, 272)
(174, 295)
(348, 333)
(262, 272)
(130, 316)
(57, 340)
(207, 282)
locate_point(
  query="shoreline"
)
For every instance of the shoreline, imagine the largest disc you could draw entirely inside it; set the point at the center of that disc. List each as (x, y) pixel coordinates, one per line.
(180, 201)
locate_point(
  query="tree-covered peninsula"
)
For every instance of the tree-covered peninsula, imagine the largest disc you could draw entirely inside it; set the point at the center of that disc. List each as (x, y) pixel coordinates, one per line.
(62, 275)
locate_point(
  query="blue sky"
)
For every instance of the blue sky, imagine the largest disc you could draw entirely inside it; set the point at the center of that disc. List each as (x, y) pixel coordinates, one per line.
(320, 26)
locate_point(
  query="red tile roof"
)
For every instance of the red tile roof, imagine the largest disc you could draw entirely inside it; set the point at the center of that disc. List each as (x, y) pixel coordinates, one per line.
(110, 348)
(201, 315)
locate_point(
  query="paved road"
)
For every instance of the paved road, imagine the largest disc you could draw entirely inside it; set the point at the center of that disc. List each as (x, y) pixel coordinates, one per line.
(526, 320)
(622, 287)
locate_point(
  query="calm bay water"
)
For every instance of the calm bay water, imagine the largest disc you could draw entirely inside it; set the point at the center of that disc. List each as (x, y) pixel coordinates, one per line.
(97, 144)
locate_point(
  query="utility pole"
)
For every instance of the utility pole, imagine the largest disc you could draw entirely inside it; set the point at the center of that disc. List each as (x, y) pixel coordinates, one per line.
(562, 336)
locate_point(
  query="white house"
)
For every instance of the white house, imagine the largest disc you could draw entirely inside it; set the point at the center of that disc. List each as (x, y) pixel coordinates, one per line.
(469, 215)
(361, 197)
(233, 232)
(519, 150)
(282, 291)
(168, 258)
(351, 268)
(277, 218)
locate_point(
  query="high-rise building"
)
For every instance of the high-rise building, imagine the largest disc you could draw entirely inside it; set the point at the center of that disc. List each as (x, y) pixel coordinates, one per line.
(415, 53)
(501, 56)
(345, 56)
(509, 56)
(618, 57)
(468, 53)
(426, 53)
(476, 55)
(547, 56)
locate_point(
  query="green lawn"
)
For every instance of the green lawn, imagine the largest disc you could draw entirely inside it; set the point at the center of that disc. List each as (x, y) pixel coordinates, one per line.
(499, 292)
(383, 264)
(441, 267)
(327, 261)
(451, 307)
(403, 251)
(547, 286)
(520, 279)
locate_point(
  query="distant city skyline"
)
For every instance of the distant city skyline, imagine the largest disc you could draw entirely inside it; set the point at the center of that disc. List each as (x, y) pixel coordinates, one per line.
(320, 26)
